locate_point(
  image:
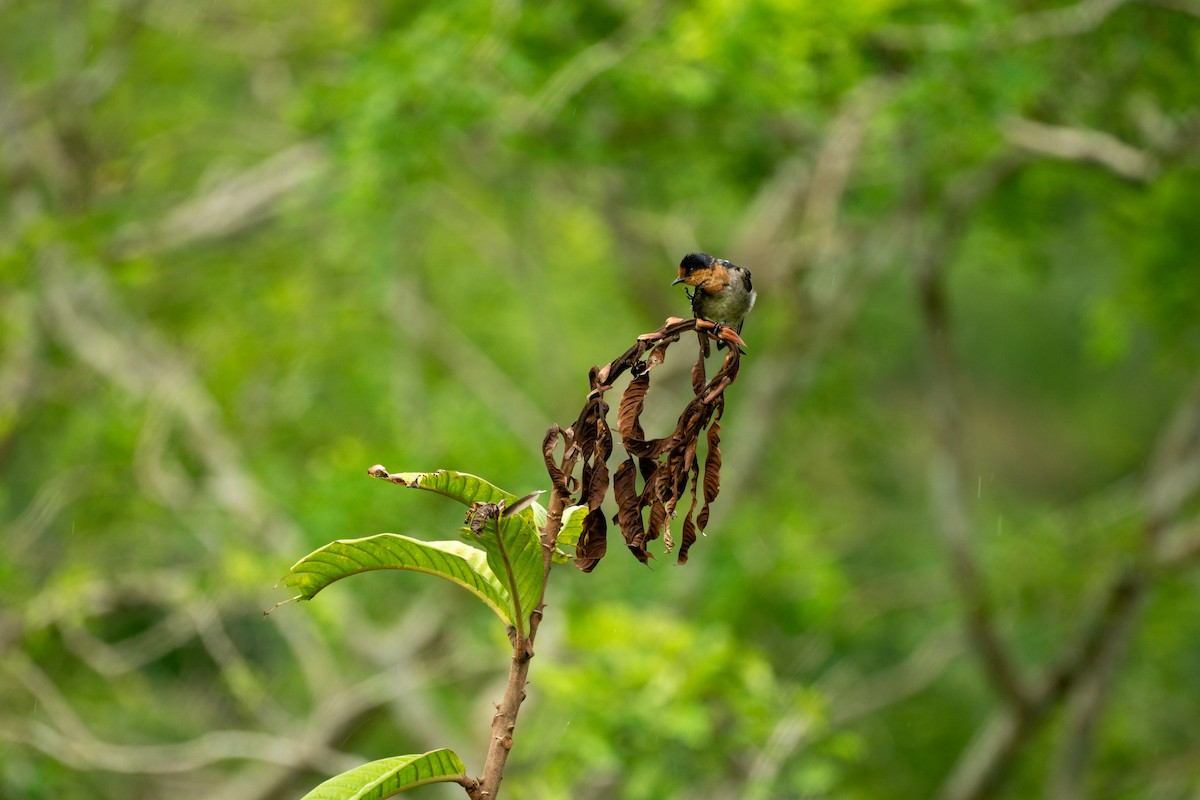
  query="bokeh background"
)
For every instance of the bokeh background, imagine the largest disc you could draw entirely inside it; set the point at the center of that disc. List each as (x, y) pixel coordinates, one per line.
(249, 249)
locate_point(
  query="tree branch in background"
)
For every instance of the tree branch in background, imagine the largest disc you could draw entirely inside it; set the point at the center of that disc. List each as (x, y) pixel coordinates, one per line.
(82, 313)
(871, 693)
(1080, 144)
(68, 739)
(235, 204)
(1174, 479)
(1180, 546)
(1175, 467)
(1057, 23)
(1083, 673)
(856, 698)
(1077, 19)
(1083, 714)
(948, 467)
(1189, 7)
(1175, 476)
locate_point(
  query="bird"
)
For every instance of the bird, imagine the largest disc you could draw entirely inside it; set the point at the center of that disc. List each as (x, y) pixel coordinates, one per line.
(723, 291)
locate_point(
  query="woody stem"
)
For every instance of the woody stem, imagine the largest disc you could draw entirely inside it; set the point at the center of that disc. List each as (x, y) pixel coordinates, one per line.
(505, 721)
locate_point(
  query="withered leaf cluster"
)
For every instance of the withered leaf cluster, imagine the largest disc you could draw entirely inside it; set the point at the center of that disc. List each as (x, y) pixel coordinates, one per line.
(667, 467)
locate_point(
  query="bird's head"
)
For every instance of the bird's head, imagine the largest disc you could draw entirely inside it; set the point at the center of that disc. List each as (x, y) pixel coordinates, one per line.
(695, 269)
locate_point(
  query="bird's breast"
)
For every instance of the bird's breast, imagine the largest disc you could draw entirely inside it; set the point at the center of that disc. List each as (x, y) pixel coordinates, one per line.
(728, 305)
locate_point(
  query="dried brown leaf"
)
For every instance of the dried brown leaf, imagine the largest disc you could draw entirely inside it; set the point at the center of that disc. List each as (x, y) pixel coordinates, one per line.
(640, 552)
(595, 483)
(698, 373)
(658, 518)
(632, 403)
(593, 541)
(595, 438)
(731, 365)
(647, 467)
(712, 473)
(557, 477)
(629, 512)
(687, 537)
(717, 388)
(712, 463)
(656, 356)
(669, 466)
(646, 448)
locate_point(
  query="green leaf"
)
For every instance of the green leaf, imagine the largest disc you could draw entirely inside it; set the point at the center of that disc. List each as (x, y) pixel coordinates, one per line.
(390, 776)
(468, 489)
(457, 562)
(507, 573)
(568, 534)
(572, 525)
(461, 486)
(514, 553)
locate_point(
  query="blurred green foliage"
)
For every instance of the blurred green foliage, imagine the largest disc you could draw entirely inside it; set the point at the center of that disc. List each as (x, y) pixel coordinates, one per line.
(249, 249)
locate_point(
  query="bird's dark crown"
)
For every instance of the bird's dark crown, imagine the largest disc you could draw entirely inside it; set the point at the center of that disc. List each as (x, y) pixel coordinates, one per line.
(693, 261)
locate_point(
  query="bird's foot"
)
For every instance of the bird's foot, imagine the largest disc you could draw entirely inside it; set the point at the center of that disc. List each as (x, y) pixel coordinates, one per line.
(724, 334)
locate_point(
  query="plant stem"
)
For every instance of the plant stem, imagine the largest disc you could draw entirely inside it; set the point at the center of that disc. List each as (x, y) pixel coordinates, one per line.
(505, 721)
(503, 725)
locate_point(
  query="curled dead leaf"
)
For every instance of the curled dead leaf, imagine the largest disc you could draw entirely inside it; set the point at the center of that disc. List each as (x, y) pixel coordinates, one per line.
(669, 467)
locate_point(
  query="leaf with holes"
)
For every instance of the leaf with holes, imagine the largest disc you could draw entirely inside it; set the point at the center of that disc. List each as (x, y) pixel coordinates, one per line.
(467, 489)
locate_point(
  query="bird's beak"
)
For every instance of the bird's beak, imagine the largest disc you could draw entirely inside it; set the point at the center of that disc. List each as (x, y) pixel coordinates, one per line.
(677, 280)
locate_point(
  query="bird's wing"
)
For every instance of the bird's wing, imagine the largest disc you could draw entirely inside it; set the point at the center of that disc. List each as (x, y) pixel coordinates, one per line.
(749, 291)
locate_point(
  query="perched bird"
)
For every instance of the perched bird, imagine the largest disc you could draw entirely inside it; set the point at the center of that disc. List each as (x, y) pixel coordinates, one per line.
(723, 291)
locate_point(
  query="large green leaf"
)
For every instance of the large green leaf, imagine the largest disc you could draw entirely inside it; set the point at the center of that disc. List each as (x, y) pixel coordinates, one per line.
(507, 574)
(458, 562)
(514, 554)
(390, 776)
